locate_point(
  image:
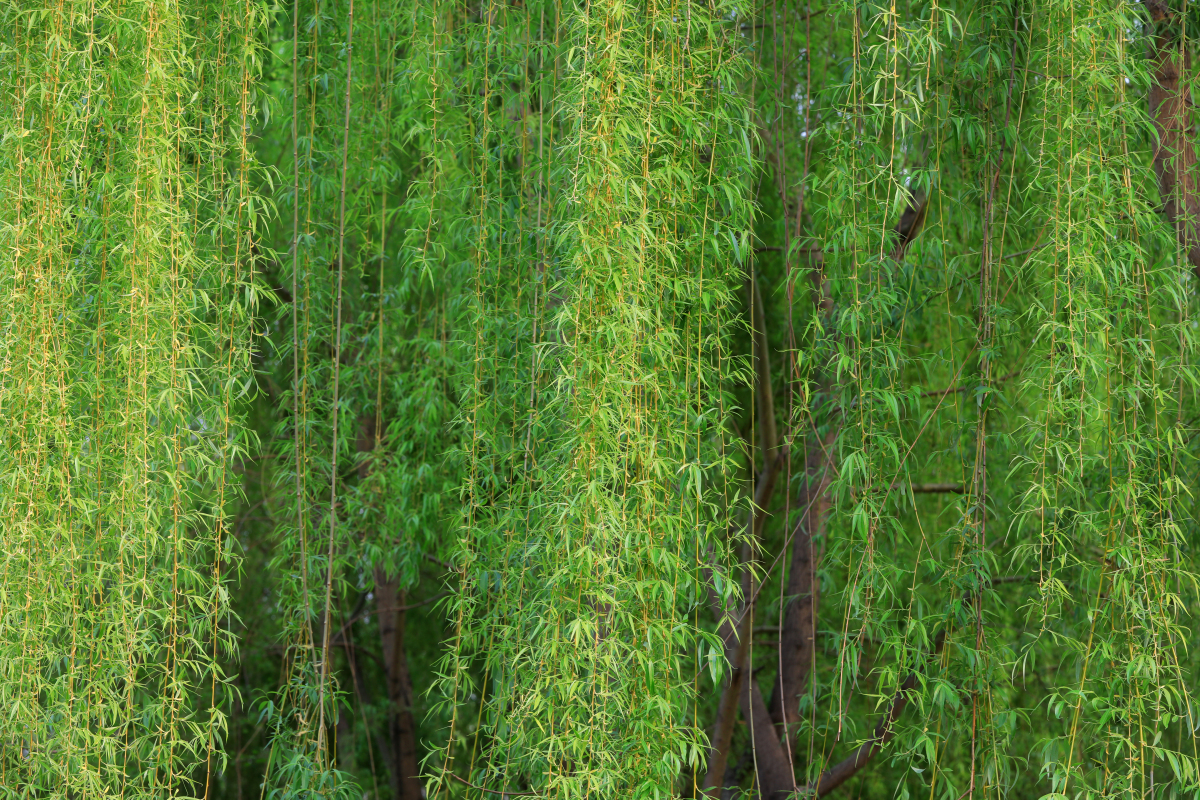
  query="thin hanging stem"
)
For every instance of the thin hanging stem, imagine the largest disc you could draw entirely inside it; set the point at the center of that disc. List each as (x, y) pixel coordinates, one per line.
(337, 356)
(296, 421)
(387, 139)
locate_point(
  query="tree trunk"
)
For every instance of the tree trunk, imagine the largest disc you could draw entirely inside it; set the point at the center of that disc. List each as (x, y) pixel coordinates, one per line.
(403, 766)
(798, 637)
(1171, 110)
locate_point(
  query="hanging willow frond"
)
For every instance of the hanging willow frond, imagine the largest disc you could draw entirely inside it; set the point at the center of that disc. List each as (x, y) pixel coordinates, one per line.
(126, 295)
(596, 473)
(667, 398)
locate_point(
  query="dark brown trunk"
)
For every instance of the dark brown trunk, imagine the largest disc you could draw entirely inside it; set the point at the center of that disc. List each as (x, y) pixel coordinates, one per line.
(773, 767)
(400, 743)
(737, 647)
(737, 643)
(798, 637)
(1171, 110)
(768, 723)
(776, 780)
(727, 709)
(403, 765)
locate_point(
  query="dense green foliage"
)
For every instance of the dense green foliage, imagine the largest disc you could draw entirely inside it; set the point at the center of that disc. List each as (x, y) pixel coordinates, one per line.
(492, 398)
(127, 295)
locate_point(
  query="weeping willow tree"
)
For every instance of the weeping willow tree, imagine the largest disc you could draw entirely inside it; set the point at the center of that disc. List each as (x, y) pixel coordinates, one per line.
(518, 398)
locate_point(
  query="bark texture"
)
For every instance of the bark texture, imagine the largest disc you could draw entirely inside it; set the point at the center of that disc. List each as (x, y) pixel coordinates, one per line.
(403, 765)
(1172, 112)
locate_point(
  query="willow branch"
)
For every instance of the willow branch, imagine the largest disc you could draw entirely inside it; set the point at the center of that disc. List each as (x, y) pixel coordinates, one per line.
(465, 782)
(337, 346)
(300, 524)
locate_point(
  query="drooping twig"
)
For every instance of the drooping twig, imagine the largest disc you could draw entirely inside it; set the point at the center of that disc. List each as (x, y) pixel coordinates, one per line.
(296, 422)
(465, 782)
(337, 359)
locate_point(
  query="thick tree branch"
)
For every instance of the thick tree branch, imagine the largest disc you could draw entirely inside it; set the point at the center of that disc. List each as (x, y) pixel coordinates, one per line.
(769, 723)
(910, 225)
(885, 729)
(798, 639)
(737, 642)
(727, 709)
(403, 765)
(957, 389)
(933, 488)
(762, 360)
(1171, 110)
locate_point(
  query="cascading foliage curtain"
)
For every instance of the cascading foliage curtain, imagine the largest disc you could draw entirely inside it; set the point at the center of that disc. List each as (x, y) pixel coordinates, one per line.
(1066, 343)
(471, 399)
(595, 407)
(128, 212)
